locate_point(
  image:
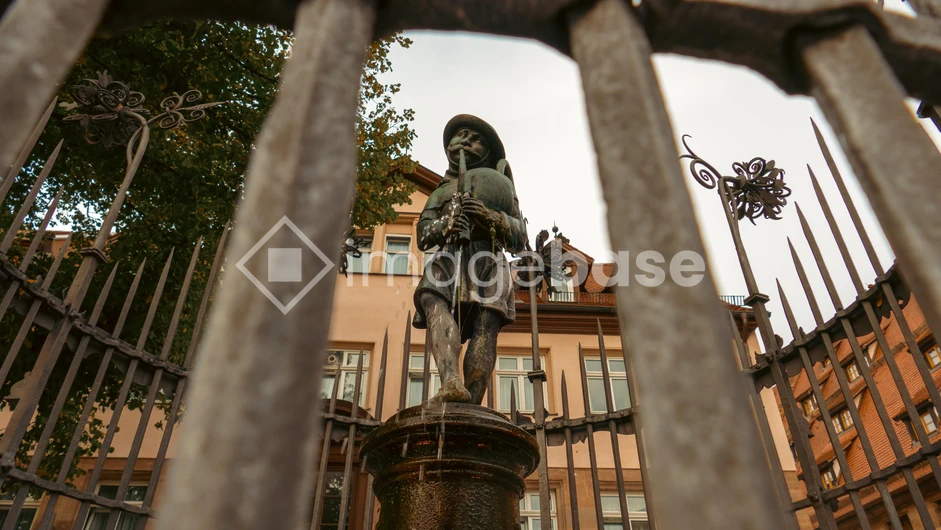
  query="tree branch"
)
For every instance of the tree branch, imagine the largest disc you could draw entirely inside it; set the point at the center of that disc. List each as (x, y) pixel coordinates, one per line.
(244, 65)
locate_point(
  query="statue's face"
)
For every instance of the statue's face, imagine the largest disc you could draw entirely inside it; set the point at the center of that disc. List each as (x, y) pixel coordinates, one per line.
(472, 143)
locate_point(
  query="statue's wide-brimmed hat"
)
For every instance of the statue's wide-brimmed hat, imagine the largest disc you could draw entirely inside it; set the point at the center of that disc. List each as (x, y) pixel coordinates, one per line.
(460, 121)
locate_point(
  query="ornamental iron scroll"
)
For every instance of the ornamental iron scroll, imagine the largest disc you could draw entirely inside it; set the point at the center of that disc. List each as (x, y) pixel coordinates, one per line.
(757, 189)
(112, 114)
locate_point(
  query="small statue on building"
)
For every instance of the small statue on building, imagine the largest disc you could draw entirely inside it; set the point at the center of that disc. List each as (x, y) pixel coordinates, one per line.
(466, 293)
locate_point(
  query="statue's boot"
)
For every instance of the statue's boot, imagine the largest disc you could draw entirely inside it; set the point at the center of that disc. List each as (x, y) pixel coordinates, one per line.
(452, 391)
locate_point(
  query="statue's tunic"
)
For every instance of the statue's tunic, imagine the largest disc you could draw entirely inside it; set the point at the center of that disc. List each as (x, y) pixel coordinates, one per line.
(489, 285)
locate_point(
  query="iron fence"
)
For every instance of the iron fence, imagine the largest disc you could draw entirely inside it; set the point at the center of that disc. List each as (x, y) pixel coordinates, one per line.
(856, 61)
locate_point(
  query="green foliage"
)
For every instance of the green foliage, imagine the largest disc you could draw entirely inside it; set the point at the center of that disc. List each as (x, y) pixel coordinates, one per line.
(187, 187)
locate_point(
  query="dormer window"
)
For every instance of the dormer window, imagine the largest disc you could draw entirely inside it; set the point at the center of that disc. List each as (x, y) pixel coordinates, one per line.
(809, 405)
(852, 371)
(842, 421)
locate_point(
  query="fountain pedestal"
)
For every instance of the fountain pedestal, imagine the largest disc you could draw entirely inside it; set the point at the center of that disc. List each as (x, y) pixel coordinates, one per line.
(462, 468)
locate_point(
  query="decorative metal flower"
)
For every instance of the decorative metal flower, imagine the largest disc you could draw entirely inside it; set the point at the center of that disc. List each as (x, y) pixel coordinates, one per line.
(103, 105)
(105, 108)
(757, 189)
(351, 247)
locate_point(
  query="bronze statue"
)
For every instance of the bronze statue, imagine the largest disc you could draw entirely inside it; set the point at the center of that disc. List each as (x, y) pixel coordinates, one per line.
(471, 219)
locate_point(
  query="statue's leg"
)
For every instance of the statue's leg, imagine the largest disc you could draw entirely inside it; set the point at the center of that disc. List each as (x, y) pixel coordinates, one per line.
(444, 339)
(481, 355)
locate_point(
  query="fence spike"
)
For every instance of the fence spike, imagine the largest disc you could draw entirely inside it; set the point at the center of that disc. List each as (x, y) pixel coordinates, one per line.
(14, 229)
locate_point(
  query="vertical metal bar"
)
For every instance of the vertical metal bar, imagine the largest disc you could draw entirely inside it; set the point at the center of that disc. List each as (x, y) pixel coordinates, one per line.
(14, 229)
(33, 310)
(52, 420)
(592, 456)
(892, 156)
(350, 446)
(39, 42)
(151, 398)
(844, 385)
(370, 495)
(13, 288)
(639, 437)
(302, 169)
(821, 399)
(406, 351)
(848, 201)
(764, 427)
(91, 401)
(181, 385)
(123, 395)
(918, 357)
(569, 457)
(637, 160)
(40, 232)
(537, 377)
(21, 158)
(325, 456)
(612, 426)
(863, 364)
(798, 425)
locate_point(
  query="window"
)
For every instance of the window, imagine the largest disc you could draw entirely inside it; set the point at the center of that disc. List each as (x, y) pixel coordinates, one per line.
(929, 420)
(826, 362)
(529, 511)
(829, 477)
(933, 356)
(512, 372)
(333, 493)
(842, 421)
(852, 371)
(810, 405)
(416, 378)
(397, 254)
(342, 364)
(98, 516)
(25, 520)
(564, 290)
(618, 376)
(636, 509)
(360, 264)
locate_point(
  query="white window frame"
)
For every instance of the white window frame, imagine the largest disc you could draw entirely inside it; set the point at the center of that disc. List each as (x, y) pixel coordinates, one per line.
(855, 368)
(934, 361)
(521, 374)
(830, 476)
(102, 510)
(416, 371)
(613, 375)
(809, 405)
(613, 517)
(529, 511)
(346, 366)
(31, 503)
(397, 254)
(364, 260)
(843, 421)
(934, 422)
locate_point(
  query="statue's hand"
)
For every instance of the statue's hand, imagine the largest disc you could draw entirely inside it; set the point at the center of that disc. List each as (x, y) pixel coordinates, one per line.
(461, 225)
(479, 213)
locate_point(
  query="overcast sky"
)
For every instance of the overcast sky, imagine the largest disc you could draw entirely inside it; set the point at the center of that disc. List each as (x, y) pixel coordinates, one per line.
(532, 95)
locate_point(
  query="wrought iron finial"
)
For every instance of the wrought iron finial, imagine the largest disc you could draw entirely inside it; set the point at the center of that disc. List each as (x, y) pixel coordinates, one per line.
(111, 113)
(103, 105)
(757, 189)
(351, 247)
